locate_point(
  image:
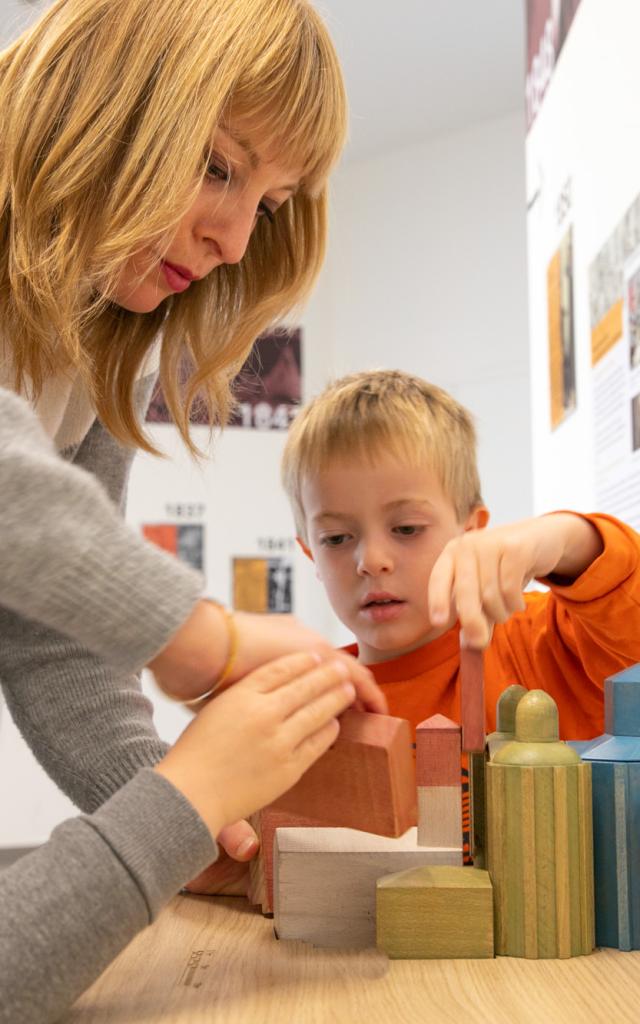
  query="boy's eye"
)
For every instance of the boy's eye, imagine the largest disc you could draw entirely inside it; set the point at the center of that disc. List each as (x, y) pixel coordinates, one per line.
(408, 531)
(334, 540)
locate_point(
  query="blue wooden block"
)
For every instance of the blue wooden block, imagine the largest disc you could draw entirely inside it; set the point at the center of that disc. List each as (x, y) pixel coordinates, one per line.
(622, 703)
(616, 853)
(612, 748)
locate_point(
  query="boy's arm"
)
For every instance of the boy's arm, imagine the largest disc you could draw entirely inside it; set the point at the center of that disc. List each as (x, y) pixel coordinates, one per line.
(480, 575)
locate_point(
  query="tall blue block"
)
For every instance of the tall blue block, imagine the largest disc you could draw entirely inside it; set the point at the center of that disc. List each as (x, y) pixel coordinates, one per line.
(615, 766)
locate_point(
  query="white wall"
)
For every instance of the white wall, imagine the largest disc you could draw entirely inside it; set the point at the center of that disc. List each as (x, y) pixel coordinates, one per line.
(586, 134)
(425, 271)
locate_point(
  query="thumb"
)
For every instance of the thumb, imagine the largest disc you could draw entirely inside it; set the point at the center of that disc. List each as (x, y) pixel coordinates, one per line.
(239, 840)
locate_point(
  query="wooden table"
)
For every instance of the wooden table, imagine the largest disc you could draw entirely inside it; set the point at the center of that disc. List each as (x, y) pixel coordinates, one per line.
(217, 961)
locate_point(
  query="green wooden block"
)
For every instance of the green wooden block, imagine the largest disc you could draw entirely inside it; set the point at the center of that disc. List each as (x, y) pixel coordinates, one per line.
(435, 913)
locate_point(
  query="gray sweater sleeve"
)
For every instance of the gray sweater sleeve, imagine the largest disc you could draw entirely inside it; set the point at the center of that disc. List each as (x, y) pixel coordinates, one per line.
(67, 559)
(88, 724)
(68, 908)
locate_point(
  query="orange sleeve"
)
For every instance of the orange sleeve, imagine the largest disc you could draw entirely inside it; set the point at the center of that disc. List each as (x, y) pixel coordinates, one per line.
(569, 640)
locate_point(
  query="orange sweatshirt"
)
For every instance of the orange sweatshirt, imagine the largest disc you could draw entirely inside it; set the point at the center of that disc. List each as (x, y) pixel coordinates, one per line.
(567, 641)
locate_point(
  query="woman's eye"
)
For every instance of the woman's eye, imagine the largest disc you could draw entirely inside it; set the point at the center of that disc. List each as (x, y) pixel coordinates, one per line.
(219, 172)
(266, 211)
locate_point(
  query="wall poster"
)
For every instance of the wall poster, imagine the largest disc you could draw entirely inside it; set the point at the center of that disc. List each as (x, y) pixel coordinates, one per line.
(263, 585)
(548, 24)
(614, 295)
(268, 389)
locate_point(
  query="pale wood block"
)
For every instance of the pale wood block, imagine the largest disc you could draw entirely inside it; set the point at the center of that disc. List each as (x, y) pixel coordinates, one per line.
(366, 780)
(440, 816)
(472, 711)
(325, 881)
(436, 913)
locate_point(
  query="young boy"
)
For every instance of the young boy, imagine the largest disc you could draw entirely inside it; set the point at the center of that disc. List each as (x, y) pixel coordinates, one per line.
(381, 473)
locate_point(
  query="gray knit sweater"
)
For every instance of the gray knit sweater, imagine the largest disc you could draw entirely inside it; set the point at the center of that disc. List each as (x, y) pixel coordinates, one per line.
(84, 604)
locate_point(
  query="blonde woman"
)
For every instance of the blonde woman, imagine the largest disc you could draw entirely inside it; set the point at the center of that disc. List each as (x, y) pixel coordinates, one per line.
(163, 174)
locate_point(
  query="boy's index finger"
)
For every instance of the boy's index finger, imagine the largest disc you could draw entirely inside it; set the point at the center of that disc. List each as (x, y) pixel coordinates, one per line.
(440, 587)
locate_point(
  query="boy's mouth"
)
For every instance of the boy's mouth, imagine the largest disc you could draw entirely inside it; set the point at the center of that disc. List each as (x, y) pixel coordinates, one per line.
(381, 606)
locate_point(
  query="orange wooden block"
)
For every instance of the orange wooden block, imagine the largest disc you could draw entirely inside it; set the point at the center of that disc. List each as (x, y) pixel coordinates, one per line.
(265, 822)
(366, 780)
(438, 752)
(472, 699)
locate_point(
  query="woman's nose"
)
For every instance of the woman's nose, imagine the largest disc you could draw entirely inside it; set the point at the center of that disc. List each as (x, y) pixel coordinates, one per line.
(230, 227)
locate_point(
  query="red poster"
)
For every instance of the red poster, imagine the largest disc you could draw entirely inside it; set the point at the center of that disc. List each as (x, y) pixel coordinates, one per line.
(548, 24)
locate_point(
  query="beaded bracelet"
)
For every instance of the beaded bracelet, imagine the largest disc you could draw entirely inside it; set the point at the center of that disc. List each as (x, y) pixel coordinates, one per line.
(232, 655)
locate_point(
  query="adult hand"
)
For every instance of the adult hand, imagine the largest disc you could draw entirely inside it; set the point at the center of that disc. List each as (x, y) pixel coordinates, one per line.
(194, 658)
(256, 739)
(229, 874)
(480, 575)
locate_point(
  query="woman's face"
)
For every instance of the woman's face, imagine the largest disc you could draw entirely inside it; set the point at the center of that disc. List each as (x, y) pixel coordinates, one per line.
(242, 184)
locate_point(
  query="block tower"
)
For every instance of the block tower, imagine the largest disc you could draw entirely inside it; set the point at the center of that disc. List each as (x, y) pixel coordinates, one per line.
(615, 764)
(540, 839)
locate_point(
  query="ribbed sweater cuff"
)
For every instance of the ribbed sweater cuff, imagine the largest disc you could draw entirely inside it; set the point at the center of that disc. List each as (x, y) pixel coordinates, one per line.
(157, 835)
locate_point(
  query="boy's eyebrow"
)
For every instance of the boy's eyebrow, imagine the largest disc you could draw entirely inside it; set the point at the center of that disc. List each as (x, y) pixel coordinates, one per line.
(398, 503)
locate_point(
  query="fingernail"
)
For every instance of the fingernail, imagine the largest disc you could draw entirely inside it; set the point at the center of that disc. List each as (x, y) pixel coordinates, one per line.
(317, 657)
(247, 846)
(340, 666)
(349, 689)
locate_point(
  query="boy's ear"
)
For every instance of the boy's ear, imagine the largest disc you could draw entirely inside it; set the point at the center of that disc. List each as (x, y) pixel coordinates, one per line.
(477, 518)
(304, 548)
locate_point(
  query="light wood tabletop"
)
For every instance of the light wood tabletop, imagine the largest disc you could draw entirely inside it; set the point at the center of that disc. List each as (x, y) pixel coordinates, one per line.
(217, 961)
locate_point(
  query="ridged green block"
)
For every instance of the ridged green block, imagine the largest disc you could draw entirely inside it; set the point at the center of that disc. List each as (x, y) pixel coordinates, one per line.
(540, 843)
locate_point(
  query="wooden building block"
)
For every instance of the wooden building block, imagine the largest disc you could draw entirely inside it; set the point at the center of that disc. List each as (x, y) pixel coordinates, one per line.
(438, 776)
(615, 765)
(477, 807)
(506, 708)
(366, 780)
(265, 823)
(435, 913)
(472, 699)
(325, 881)
(540, 844)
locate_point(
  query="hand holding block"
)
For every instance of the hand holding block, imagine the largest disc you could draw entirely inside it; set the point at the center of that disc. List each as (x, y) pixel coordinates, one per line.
(366, 780)
(435, 913)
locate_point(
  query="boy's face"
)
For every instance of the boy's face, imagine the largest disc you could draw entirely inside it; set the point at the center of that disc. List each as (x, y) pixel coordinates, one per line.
(375, 531)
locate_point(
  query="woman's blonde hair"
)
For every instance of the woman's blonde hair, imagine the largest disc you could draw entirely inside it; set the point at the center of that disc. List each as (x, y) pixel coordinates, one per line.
(107, 109)
(379, 412)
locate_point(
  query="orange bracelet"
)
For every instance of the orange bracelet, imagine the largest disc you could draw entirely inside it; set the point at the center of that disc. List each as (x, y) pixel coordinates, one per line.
(232, 655)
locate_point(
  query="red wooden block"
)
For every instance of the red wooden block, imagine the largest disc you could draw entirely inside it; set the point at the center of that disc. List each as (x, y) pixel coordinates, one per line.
(265, 822)
(472, 699)
(438, 752)
(366, 780)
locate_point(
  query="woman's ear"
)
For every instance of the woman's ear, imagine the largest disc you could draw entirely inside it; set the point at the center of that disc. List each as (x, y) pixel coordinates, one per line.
(303, 547)
(477, 518)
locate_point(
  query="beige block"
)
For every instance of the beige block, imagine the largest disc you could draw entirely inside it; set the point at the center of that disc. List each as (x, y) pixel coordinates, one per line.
(440, 816)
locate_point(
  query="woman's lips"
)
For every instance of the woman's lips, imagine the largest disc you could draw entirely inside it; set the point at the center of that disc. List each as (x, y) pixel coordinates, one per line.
(175, 277)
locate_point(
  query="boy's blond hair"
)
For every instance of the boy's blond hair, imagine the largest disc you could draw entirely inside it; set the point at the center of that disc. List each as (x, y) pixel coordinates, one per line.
(364, 414)
(108, 109)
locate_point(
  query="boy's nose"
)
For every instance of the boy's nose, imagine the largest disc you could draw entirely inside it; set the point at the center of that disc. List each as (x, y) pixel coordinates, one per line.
(373, 560)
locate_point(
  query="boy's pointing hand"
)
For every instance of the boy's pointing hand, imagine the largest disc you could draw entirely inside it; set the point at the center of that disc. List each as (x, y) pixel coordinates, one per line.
(480, 575)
